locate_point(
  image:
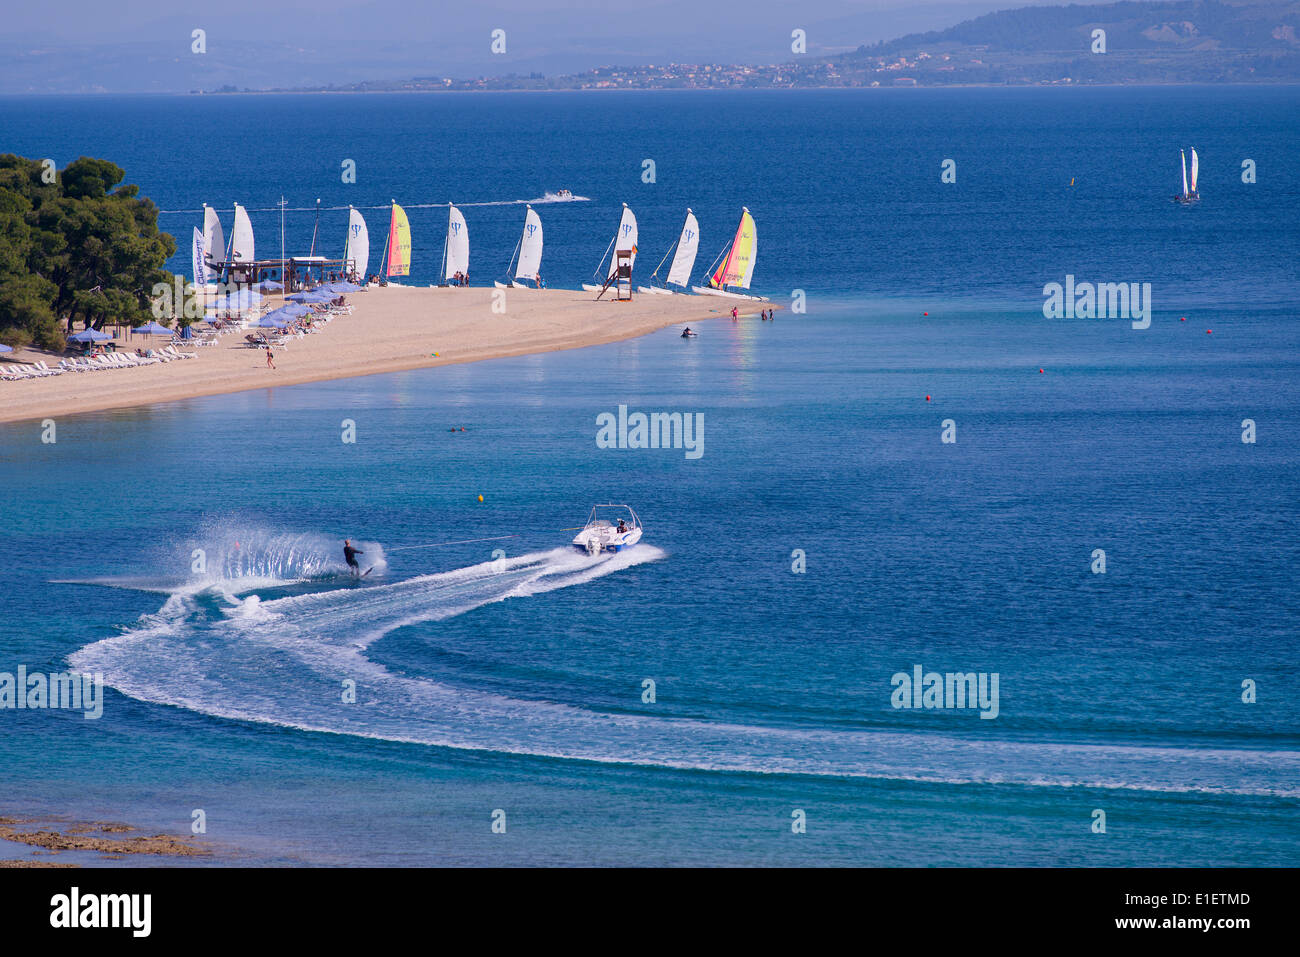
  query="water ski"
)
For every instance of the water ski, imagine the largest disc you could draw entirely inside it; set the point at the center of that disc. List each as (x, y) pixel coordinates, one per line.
(367, 572)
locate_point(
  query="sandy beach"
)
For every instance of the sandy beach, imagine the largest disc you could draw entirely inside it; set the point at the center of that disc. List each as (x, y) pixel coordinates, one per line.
(391, 329)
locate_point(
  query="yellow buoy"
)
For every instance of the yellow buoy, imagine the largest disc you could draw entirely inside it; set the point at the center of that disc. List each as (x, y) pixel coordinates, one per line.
(480, 498)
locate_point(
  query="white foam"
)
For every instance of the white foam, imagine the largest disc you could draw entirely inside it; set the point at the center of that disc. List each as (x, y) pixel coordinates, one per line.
(283, 661)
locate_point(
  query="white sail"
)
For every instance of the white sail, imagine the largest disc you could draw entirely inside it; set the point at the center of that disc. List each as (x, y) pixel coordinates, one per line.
(457, 244)
(241, 240)
(1196, 168)
(625, 238)
(688, 244)
(1184, 156)
(358, 244)
(214, 240)
(530, 247)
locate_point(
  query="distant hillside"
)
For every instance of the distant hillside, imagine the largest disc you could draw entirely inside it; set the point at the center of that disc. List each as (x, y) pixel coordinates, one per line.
(1180, 41)
(1182, 25)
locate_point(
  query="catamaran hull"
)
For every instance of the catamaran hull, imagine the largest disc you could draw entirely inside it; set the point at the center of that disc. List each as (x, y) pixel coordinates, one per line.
(590, 288)
(655, 290)
(710, 291)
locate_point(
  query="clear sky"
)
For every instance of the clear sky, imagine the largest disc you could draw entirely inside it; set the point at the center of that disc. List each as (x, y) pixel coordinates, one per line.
(145, 44)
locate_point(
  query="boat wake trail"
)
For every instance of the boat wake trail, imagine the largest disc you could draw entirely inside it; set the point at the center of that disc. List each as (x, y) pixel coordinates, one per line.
(284, 661)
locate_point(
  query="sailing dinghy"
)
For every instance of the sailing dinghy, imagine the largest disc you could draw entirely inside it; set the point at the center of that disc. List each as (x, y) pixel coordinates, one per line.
(529, 251)
(624, 238)
(357, 249)
(397, 247)
(455, 254)
(679, 273)
(1189, 195)
(737, 263)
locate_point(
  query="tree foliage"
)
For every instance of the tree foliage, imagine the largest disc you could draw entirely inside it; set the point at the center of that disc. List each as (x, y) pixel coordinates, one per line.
(81, 248)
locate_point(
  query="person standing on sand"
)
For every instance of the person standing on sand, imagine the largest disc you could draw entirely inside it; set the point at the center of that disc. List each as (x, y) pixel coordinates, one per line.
(270, 358)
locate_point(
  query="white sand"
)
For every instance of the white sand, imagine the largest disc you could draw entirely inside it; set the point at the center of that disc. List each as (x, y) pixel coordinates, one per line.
(391, 329)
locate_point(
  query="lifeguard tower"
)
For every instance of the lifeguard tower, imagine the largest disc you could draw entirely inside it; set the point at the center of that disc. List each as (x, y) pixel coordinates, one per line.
(621, 277)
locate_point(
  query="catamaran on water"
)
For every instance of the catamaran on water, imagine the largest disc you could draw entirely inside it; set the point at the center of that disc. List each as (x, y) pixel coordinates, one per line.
(737, 263)
(679, 273)
(609, 528)
(529, 251)
(1193, 194)
(624, 238)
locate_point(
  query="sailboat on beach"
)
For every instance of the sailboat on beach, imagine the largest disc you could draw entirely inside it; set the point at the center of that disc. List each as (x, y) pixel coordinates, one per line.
(455, 252)
(679, 273)
(214, 242)
(737, 263)
(529, 251)
(1193, 194)
(357, 248)
(624, 238)
(397, 247)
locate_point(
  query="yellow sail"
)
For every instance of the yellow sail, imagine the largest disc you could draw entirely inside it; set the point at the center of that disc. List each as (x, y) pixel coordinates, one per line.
(399, 243)
(739, 264)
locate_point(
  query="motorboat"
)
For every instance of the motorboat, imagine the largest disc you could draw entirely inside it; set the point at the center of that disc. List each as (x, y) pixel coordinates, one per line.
(610, 528)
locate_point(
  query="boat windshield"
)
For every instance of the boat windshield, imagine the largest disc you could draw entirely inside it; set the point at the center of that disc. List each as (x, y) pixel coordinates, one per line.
(607, 516)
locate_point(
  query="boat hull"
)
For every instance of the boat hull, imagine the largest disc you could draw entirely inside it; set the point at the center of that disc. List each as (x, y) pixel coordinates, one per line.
(710, 291)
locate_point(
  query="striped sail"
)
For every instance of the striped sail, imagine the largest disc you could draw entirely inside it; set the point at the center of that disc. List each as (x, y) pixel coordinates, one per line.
(358, 244)
(1184, 156)
(457, 244)
(214, 240)
(1196, 169)
(399, 244)
(738, 267)
(530, 247)
(625, 238)
(241, 240)
(688, 244)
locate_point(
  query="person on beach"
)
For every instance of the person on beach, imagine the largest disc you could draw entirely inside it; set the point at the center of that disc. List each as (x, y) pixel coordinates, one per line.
(270, 358)
(350, 555)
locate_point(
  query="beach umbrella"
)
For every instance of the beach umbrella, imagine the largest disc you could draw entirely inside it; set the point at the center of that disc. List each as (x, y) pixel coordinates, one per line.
(237, 301)
(270, 285)
(152, 329)
(294, 310)
(5, 348)
(187, 332)
(90, 335)
(272, 321)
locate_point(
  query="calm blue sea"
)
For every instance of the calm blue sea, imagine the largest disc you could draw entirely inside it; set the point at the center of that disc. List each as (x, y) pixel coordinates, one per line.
(515, 681)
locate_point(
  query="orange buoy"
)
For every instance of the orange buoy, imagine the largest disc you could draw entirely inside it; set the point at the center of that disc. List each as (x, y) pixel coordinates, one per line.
(1209, 332)
(1182, 318)
(925, 313)
(1040, 371)
(480, 498)
(927, 398)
